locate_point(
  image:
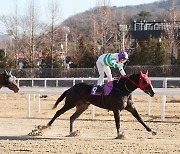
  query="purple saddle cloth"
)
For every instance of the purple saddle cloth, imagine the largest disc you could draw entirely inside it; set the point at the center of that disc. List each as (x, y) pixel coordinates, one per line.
(107, 89)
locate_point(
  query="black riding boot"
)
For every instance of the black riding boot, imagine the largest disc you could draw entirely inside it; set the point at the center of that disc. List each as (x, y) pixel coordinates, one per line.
(99, 89)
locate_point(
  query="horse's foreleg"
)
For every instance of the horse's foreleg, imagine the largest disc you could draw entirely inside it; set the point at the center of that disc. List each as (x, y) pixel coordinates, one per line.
(79, 111)
(131, 108)
(117, 120)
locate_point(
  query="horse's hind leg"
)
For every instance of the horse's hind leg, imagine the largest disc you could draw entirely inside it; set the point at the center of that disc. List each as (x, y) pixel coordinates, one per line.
(120, 135)
(58, 113)
(79, 111)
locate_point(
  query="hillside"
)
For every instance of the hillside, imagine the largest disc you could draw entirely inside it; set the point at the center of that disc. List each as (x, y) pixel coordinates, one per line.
(157, 9)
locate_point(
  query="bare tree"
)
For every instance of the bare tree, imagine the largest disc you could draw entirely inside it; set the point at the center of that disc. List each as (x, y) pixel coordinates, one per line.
(75, 34)
(32, 27)
(94, 32)
(172, 32)
(104, 25)
(28, 28)
(125, 41)
(104, 28)
(11, 24)
(54, 12)
(16, 32)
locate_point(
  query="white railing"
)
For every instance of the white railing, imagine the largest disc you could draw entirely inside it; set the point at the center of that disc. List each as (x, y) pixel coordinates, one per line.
(163, 79)
(159, 91)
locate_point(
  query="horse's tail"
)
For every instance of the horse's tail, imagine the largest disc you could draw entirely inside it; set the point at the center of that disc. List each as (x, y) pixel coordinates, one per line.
(60, 99)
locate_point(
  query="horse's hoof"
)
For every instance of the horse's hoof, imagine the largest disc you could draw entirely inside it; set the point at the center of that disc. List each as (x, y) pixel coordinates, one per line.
(41, 127)
(73, 134)
(38, 131)
(154, 133)
(121, 136)
(35, 133)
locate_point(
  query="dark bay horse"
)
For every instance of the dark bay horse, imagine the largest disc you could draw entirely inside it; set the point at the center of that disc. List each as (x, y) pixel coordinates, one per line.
(120, 98)
(8, 80)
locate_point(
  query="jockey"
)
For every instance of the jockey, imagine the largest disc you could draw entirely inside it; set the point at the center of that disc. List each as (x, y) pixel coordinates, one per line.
(105, 61)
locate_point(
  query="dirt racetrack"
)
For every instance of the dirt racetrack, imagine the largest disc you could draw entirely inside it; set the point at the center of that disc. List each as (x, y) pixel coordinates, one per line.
(96, 136)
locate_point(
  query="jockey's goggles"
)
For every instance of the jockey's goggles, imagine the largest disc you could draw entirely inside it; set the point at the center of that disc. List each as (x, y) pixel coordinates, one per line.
(122, 60)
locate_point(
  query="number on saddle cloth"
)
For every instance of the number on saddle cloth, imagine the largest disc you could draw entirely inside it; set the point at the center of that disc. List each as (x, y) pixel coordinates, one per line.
(106, 88)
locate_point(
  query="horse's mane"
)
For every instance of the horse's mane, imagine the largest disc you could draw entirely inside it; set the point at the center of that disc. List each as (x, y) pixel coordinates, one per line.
(121, 82)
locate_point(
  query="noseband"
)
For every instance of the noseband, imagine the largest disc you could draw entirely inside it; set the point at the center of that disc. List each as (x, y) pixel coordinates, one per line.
(141, 85)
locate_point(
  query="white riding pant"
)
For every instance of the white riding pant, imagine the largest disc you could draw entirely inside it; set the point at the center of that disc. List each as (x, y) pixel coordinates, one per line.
(102, 68)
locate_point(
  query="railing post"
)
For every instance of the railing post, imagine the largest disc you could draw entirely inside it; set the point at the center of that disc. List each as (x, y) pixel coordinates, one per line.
(163, 98)
(149, 105)
(165, 83)
(74, 81)
(32, 83)
(92, 111)
(45, 83)
(18, 82)
(56, 83)
(29, 105)
(39, 103)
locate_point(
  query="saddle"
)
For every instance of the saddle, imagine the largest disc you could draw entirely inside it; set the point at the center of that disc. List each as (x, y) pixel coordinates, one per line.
(106, 89)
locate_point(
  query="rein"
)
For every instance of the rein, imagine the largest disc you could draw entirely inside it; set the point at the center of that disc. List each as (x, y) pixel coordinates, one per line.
(125, 83)
(131, 82)
(144, 81)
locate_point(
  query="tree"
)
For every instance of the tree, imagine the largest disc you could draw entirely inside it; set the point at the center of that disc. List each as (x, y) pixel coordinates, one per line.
(2, 54)
(6, 61)
(151, 52)
(143, 16)
(123, 32)
(135, 56)
(54, 17)
(75, 35)
(104, 27)
(161, 56)
(172, 33)
(29, 30)
(11, 24)
(85, 54)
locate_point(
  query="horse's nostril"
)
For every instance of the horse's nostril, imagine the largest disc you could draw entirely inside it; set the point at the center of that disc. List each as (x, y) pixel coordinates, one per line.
(152, 94)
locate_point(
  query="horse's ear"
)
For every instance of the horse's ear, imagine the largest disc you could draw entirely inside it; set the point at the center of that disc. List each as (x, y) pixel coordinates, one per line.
(5, 72)
(147, 72)
(141, 73)
(10, 73)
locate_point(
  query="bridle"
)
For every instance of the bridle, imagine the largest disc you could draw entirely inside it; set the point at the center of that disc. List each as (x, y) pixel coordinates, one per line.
(144, 82)
(131, 82)
(141, 85)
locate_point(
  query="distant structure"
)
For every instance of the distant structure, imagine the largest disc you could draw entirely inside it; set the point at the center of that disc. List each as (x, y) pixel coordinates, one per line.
(145, 30)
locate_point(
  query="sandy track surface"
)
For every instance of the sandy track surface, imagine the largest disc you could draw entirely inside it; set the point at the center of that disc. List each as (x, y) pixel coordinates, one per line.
(96, 136)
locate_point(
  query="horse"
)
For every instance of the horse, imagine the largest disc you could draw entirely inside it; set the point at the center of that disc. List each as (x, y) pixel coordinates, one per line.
(120, 98)
(8, 80)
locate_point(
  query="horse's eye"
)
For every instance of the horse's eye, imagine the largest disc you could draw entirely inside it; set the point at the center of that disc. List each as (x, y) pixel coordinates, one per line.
(145, 82)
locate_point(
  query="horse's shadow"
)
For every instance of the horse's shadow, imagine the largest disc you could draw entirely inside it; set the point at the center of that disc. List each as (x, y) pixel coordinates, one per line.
(27, 138)
(34, 138)
(155, 119)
